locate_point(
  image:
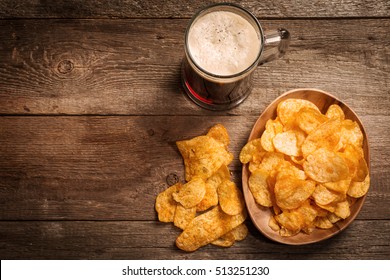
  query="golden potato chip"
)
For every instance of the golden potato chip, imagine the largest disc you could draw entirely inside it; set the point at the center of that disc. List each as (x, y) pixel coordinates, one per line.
(286, 168)
(230, 198)
(327, 136)
(342, 210)
(273, 224)
(308, 119)
(291, 220)
(323, 223)
(350, 133)
(269, 163)
(335, 112)
(258, 186)
(323, 196)
(288, 108)
(183, 216)
(250, 149)
(191, 193)
(272, 127)
(359, 189)
(290, 193)
(339, 186)
(219, 133)
(325, 166)
(203, 156)
(286, 143)
(240, 232)
(333, 218)
(226, 240)
(208, 227)
(166, 205)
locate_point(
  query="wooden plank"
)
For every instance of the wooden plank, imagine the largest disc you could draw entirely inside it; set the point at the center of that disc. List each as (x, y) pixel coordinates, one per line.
(152, 240)
(171, 9)
(128, 66)
(112, 168)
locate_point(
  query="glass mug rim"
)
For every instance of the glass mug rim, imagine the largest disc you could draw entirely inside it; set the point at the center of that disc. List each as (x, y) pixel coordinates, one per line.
(209, 9)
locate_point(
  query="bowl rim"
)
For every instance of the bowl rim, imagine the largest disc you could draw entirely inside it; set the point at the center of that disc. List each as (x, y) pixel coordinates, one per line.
(260, 210)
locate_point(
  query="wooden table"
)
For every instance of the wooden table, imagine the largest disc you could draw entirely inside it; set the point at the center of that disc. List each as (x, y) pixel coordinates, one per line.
(91, 106)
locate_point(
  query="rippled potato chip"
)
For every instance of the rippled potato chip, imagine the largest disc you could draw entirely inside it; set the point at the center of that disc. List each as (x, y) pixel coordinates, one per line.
(230, 198)
(166, 205)
(250, 150)
(183, 216)
(288, 109)
(309, 119)
(191, 193)
(219, 133)
(327, 136)
(240, 232)
(287, 143)
(258, 185)
(290, 193)
(325, 166)
(208, 227)
(335, 112)
(203, 156)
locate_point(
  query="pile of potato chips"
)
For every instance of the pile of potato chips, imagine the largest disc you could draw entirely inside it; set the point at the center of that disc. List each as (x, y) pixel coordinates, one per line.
(307, 166)
(209, 207)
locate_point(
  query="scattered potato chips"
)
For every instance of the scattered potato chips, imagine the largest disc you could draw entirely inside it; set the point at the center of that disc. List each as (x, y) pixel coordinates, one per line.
(308, 167)
(209, 207)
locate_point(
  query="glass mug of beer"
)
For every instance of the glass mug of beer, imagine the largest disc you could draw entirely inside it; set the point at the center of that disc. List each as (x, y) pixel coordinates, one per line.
(224, 43)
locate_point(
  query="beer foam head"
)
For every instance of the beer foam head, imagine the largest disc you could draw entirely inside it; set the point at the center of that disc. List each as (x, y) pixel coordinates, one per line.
(223, 43)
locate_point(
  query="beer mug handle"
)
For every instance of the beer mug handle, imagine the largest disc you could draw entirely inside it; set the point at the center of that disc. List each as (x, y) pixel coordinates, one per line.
(276, 43)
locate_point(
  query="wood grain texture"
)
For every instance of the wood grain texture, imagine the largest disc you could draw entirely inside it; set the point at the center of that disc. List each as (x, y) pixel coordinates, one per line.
(133, 66)
(171, 8)
(112, 168)
(153, 240)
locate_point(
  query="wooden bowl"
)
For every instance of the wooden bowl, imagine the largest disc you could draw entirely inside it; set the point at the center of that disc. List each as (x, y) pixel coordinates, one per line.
(260, 215)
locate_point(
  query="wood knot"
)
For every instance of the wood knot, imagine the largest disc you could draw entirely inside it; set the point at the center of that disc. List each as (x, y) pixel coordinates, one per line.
(65, 66)
(172, 179)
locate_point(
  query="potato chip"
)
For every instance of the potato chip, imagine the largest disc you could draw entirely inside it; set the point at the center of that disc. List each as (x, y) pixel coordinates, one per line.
(191, 193)
(273, 224)
(335, 112)
(286, 143)
(327, 136)
(208, 227)
(203, 156)
(226, 240)
(272, 127)
(290, 220)
(269, 163)
(323, 223)
(219, 133)
(308, 119)
(342, 210)
(240, 232)
(339, 186)
(325, 166)
(166, 205)
(359, 189)
(250, 149)
(350, 133)
(183, 216)
(230, 198)
(333, 218)
(286, 168)
(288, 108)
(323, 196)
(258, 185)
(290, 193)
(210, 198)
